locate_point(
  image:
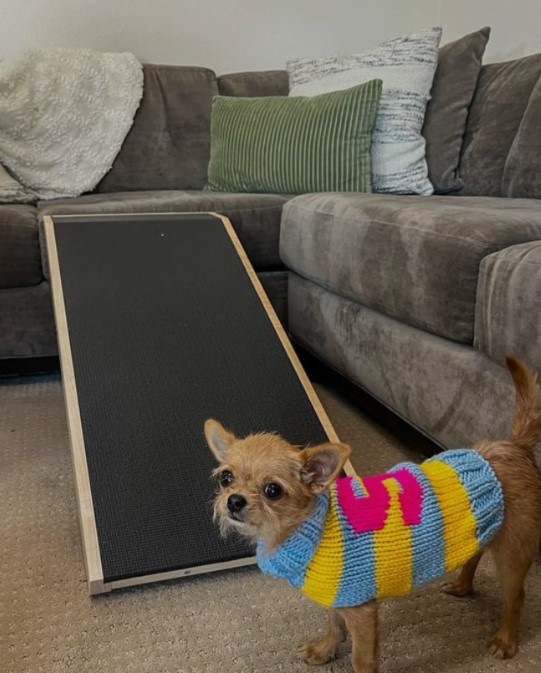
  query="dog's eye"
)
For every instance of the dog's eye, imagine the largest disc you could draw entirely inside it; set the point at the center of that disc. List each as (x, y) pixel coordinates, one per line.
(226, 478)
(272, 490)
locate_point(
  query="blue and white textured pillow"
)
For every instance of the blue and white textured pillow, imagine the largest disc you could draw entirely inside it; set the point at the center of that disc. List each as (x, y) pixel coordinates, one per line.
(406, 65)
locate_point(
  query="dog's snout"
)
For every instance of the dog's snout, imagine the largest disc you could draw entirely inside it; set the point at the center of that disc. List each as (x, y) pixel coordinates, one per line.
(235, 503)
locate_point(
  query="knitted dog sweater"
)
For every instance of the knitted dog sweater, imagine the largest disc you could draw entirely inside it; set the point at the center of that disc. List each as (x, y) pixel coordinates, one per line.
(383, 535)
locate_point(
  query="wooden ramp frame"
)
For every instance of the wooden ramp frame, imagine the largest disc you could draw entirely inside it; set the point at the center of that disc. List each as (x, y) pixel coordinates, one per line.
(73, 273)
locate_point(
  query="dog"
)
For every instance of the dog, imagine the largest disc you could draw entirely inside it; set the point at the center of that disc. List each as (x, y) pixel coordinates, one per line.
(347, 542)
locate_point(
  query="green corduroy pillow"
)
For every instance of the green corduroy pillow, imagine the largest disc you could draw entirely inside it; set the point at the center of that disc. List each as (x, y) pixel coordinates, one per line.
(294, 145)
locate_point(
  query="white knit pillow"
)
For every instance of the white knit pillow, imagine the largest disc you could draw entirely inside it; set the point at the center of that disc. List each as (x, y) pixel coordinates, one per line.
(406, 65)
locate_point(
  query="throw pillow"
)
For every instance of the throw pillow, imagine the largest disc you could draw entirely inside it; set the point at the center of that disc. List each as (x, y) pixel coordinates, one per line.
(293, 145)
(406, 65)
(455, 81)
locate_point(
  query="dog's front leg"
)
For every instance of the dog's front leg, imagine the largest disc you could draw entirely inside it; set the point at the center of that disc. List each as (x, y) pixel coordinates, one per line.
(362, 624)
(321, 650)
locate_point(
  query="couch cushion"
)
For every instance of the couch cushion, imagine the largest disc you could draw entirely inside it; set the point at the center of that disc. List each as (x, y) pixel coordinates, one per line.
(500, 102)
(459, 65)
(522, 174)
(452, 392)
(20, 262)
(294, 145)
(256, 83)
(413, 258)
(255, 217)
(168, 145)
(28, 328)
(507, 317)
(406, 65)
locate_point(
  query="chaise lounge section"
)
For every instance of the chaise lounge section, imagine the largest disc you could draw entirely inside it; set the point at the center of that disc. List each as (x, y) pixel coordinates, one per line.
(414, 299)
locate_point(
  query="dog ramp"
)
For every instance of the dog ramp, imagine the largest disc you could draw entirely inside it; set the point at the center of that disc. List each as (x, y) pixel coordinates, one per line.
(163, 323)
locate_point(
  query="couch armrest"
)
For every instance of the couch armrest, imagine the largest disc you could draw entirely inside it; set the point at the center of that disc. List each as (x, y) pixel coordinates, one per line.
(508, 307)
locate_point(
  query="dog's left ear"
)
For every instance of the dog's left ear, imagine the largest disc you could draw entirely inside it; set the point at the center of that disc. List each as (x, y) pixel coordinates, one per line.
(322, 464)
(218, 439)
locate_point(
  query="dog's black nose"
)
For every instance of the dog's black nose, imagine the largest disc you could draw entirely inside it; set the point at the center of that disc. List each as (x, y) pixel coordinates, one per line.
(235, 503)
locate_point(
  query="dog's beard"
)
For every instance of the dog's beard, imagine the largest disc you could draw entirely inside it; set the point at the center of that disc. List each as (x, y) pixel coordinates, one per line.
(227, 525)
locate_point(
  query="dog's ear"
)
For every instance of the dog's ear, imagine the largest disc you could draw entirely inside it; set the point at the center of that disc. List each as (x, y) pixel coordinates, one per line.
(322, 464)
(218, 439)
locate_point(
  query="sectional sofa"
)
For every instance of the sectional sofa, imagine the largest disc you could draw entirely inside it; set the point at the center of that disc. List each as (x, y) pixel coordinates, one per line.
(415, 299)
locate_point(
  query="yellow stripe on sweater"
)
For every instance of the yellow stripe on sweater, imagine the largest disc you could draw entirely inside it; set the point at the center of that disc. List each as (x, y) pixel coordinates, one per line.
(324, 572)
(460, 526)
(393, 549)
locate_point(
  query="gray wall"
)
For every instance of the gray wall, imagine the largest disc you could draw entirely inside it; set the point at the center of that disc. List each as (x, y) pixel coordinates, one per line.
(225, 35)
(229, 35)
(516, 26)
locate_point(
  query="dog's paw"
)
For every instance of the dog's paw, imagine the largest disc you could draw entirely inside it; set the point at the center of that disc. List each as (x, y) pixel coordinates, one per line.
(456, 588)
(316, 652)
(502, 648)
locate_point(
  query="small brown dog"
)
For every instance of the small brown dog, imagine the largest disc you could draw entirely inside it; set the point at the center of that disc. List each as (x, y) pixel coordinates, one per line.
(273, 493)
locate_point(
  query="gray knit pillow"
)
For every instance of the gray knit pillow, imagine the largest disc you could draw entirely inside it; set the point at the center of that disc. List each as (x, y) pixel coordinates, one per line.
(406, 65)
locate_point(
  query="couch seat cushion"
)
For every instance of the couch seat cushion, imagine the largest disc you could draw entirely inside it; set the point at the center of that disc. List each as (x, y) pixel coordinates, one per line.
(255, 217)
(507, 316)
(413, 258)
(20, 263)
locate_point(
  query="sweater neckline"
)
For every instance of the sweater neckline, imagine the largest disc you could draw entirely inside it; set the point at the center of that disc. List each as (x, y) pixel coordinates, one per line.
(291, 558)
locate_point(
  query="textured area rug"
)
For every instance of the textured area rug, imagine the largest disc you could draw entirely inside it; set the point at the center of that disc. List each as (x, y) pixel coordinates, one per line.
(237, 621)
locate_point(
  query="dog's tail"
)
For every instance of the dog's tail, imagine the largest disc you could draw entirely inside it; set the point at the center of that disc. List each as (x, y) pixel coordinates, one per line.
(526, 431)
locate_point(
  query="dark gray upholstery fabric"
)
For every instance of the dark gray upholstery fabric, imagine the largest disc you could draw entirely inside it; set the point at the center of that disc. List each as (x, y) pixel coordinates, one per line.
(411, 257)
(255, 217)
(459, 65)
(20, 263)
(496, 114)
(256, 83)
(451, 391)
(27, 322)
(522, 174)
(168, 145)
(508, 312)
(275, 285)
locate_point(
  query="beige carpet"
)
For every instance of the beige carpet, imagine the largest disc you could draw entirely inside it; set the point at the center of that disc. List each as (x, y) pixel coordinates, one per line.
(237, 621)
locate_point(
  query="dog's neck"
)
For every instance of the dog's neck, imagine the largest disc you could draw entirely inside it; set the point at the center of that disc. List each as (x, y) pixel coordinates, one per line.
(276, 538)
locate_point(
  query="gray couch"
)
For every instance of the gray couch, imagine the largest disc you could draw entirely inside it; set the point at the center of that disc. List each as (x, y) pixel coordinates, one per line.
(415, 299)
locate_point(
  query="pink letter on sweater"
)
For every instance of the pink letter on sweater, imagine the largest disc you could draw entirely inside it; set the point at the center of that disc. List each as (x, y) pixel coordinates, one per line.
(369, 512)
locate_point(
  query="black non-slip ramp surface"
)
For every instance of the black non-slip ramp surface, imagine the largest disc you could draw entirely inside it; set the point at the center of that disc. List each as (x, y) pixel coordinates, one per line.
(166, 330)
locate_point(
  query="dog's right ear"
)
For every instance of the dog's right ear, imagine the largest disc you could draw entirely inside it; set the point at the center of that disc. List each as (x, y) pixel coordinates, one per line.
(322, 464)
(218, 439)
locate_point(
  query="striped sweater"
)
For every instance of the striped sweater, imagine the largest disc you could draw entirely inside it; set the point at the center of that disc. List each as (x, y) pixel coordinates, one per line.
(383, 535)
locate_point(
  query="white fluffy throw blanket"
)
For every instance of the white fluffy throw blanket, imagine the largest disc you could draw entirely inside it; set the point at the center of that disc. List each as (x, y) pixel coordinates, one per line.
(64, 114)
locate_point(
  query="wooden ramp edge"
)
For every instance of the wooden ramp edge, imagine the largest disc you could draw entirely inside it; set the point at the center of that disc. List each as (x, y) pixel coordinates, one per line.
(87, 521)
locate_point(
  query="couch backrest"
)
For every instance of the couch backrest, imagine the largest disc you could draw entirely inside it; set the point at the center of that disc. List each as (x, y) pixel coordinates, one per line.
(501, 154)
(251, 84)
(168, 146)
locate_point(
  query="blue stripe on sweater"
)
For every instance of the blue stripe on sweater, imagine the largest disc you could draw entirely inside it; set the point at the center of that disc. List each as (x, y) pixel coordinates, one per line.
(291, 558)
(428, 536)
(483, 487)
